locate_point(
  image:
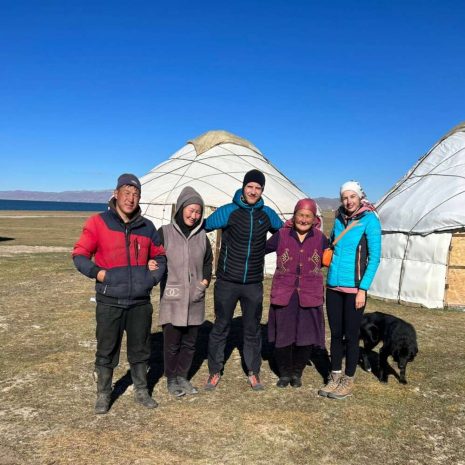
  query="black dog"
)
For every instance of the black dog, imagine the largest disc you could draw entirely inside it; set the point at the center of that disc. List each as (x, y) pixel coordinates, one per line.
(399, 340)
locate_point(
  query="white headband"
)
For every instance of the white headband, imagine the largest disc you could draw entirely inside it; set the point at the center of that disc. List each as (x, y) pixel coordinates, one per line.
(353, 186)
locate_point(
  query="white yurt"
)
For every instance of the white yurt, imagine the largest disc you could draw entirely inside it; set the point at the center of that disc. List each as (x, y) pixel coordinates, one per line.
(214, 164)
(423, 224)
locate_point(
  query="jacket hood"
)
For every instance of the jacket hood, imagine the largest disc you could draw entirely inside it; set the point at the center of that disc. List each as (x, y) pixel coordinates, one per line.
(238, 199)
(188, 196)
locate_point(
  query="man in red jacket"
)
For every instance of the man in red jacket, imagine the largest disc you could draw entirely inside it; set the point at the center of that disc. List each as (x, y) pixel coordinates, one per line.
(121, 241)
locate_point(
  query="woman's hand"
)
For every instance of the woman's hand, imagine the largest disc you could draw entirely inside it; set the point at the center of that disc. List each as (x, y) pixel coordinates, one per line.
(152, 265)
(360, 299)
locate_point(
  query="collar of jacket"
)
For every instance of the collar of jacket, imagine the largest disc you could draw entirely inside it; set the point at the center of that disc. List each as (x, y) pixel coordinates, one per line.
(293, 233)
(238, 200)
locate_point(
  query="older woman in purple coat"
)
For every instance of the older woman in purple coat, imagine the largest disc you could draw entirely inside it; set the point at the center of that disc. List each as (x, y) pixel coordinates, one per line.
(296, 321)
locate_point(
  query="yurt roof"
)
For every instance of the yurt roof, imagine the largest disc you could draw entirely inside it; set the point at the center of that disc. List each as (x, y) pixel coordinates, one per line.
(214, 164)
(431, 196)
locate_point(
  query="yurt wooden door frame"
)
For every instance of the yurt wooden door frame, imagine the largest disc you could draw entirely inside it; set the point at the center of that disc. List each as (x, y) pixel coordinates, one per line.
(455, 285)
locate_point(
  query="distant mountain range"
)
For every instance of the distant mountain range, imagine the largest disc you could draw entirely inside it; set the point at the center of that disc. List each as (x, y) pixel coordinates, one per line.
(325, 203)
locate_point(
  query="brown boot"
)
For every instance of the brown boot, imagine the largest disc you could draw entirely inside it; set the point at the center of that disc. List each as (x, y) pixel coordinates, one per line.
(332, 384)
(344, 389)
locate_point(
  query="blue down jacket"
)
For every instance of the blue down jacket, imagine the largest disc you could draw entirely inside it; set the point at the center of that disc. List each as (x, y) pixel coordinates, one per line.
(357, 254)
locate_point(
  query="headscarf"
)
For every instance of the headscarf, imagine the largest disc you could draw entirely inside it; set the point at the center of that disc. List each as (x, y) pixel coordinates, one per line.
(305, 204)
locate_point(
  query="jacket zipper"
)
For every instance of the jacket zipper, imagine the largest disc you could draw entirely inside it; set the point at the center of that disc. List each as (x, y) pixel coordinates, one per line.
(248, 246)
(358, 263)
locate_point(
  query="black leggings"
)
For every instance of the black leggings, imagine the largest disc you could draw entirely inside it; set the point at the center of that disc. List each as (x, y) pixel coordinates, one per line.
(344, 321)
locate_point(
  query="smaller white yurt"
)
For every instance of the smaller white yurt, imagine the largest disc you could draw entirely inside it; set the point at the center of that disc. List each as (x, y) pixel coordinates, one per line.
(423, 226)
(214, 164)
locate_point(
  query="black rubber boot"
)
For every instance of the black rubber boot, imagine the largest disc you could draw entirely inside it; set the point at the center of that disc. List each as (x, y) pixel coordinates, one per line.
(139, 379)
(104, 378)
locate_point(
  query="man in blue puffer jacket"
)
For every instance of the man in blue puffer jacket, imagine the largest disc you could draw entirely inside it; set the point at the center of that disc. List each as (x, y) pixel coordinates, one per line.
(244, 223)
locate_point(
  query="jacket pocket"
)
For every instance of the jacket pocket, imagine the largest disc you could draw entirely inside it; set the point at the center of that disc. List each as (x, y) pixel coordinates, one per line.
(199, 292)
(172, 292)
(115, 284)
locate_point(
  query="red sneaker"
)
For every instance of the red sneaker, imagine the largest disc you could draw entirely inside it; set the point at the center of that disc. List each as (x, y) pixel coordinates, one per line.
(212, 382)
(254, 381)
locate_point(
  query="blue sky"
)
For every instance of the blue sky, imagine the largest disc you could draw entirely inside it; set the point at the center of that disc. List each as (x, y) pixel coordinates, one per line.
(328, 91)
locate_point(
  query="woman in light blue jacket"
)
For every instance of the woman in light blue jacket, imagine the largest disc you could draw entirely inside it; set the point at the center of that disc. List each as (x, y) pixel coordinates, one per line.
(355, 260)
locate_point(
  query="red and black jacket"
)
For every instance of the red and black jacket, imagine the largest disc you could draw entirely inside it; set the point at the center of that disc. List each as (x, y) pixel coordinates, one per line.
(123, 250)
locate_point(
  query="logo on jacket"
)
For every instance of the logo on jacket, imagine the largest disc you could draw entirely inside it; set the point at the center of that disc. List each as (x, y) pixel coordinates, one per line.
(171, 292)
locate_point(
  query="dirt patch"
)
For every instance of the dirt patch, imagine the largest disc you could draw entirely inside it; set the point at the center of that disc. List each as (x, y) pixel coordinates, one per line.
(11, 250)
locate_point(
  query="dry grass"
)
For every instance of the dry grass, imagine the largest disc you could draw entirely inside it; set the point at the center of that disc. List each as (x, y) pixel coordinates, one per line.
(46, 392)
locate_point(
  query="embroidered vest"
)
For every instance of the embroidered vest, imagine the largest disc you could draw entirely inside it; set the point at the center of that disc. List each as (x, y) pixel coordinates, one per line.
(298, 268)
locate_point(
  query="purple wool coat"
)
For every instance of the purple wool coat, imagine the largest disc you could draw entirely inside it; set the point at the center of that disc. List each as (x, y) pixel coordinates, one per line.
(298, 267)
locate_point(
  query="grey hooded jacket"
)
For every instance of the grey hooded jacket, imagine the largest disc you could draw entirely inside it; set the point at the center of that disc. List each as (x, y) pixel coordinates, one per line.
(182, 295)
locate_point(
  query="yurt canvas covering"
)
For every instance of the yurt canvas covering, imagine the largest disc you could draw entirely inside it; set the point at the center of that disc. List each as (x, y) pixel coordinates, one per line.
(214, 164)
(423, 227)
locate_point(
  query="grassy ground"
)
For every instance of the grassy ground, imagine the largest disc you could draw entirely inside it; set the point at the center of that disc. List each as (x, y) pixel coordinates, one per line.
(47, 394)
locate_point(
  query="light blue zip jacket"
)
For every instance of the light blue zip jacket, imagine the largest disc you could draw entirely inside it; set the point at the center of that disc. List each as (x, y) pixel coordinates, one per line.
(357, 254)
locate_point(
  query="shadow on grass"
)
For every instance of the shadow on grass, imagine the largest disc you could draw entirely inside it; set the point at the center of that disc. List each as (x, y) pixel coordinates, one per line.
(3, 239)
(318, 357)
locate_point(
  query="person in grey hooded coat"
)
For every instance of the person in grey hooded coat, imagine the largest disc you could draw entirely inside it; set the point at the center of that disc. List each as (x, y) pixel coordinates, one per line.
(182, 291)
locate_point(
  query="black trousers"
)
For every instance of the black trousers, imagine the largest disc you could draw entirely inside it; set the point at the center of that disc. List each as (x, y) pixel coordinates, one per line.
(344, 321)
(291, 360)
(112, 322)
(226, 297)
(178, 349)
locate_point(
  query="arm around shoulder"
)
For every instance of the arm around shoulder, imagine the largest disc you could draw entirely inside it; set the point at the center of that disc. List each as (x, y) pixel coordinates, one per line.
(219, 218)
(275, 220)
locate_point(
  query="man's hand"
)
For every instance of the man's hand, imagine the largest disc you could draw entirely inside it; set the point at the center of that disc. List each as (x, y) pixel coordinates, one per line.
(101, 276)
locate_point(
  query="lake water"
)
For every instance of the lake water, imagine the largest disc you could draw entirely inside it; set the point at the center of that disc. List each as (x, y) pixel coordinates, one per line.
(51, 206)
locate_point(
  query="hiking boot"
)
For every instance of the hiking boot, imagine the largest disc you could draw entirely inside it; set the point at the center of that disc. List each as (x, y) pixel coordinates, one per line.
(344, 389)
(332, 384)
(296, 381)
(186, 385)
(174, 388)
(254, 380)
(212, 381)
(103, 376)
(142, 396)
(283, 381)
